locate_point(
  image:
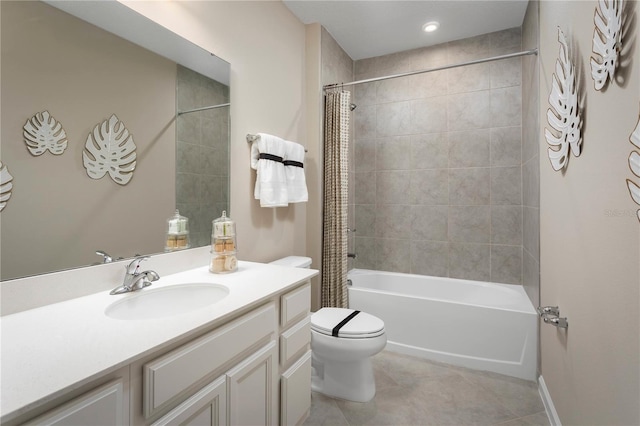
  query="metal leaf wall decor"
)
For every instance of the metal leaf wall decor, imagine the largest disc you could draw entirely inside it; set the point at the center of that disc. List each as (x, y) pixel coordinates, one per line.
(110, 149)
(634, 165)
(6, 186)
(564, 116)
(607, 41)
(42, 132)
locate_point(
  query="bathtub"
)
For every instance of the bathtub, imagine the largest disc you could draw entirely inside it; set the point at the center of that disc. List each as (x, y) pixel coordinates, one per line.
(479, 325)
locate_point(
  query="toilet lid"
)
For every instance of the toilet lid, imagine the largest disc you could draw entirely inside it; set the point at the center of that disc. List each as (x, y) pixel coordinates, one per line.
(350, 324)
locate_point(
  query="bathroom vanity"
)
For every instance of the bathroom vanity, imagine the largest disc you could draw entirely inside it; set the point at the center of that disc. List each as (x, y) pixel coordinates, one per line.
(244, 359)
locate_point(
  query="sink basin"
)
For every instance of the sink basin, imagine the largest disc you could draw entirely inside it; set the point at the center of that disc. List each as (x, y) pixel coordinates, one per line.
(166, 301)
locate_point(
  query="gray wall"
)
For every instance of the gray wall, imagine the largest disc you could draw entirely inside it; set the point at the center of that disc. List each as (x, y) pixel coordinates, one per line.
(202, 154)
(437, 164)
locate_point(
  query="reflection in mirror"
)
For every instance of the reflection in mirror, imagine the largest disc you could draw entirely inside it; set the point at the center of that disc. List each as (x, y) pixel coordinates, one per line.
(58, 217)
(202, 152)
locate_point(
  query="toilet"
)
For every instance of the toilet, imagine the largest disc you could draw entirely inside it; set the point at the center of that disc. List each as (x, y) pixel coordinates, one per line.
(342, 344)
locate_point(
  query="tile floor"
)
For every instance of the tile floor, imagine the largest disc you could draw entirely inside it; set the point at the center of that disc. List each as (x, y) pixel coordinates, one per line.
(411, 391)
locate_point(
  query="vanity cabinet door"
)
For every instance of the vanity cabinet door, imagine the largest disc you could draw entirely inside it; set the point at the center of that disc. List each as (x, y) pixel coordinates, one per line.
(101, 406)
(295, 392)
(208, 407)
(253, 389)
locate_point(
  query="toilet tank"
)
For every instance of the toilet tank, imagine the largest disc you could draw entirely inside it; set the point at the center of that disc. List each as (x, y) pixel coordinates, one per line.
(293, 261)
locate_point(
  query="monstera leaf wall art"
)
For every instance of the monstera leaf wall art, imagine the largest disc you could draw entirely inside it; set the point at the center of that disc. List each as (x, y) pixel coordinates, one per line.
(564, 116)
(6, 185)
(110, 149)
(634, 165)
(607, 41)
(42, 132)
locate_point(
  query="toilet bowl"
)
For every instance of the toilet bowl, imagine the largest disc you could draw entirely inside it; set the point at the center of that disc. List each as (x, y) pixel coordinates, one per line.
(341, 352)
(342, 344)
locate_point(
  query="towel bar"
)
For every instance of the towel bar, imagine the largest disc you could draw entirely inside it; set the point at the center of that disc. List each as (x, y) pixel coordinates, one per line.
(252, 138)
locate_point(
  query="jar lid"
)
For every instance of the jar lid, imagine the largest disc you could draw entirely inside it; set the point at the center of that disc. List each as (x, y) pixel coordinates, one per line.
(224, 226)
(178, 224)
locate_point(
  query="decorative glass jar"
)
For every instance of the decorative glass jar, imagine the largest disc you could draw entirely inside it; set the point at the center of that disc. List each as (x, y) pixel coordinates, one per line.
(177, 233)
(223, 245)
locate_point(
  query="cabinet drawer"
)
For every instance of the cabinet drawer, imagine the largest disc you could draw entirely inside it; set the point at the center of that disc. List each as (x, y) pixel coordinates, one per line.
(295, 392)
(295, 305)
(295, 340)
(176, 371)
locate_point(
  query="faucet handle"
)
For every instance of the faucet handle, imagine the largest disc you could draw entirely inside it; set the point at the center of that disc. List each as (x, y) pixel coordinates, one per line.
(105, 256)
(135, 263)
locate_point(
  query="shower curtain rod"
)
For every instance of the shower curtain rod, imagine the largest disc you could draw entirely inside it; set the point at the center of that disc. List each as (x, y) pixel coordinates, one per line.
(446, 67)
(203, 108)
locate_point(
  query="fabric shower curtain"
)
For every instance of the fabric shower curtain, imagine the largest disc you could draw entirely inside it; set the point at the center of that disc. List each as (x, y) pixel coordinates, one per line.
(336, 167)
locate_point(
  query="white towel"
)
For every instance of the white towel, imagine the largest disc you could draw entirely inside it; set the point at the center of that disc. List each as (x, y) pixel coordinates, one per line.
(271, 181)
(294, 169)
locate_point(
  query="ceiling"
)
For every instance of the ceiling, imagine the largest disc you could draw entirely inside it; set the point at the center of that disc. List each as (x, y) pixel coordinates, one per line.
(368, 28)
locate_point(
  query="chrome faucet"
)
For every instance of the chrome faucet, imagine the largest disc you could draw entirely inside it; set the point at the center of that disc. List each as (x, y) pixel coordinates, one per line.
(134, 280)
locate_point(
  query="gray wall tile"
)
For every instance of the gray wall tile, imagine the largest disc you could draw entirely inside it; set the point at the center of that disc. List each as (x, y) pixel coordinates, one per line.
(428, 85)
(393, 153)
(429, 115)
(430, 258)
(364, 155)
(364, 186)
(469, 148)
(506, 186)
(393, 255)
(470, 261)
(469, 224)
(429, 187)
(531, 182)
(391, 221)
(429, 223)
(364, 122)
(506, 225)
(506, 264)
(469, 110)
(429, 151)
(506, 107)
(366, 251)
(469, 186)
(506, 146)
(506, 73)
(365, 220)
(531, 231)
(392, 187)
(470, 78)
(393, 119)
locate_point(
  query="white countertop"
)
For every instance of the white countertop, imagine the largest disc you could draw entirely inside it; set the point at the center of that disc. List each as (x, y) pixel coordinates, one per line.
(54, 348)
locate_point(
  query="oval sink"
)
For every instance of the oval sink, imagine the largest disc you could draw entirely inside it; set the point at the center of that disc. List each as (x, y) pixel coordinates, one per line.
(166, 301)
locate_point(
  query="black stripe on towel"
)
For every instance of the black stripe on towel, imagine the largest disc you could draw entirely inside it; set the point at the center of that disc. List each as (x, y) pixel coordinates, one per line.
(342, 323)
(293, 163)
(265, 156)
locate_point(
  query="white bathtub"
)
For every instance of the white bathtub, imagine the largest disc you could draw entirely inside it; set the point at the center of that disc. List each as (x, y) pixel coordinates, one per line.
(474, 324)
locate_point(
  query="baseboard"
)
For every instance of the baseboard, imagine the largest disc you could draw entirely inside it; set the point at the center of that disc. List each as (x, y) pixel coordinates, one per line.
(549, 408)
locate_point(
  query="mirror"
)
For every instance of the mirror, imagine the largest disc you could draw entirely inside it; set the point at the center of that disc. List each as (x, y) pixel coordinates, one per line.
(82, 62)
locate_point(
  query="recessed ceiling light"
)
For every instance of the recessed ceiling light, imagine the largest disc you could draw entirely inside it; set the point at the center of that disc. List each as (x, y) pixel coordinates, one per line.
(430, 27)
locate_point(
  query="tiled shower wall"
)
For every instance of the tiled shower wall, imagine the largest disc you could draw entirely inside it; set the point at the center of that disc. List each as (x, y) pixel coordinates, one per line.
(437, 167)
(202, 153)
(530, 158)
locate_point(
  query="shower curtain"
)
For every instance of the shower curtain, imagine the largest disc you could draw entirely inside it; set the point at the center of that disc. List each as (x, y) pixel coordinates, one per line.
(334, 251)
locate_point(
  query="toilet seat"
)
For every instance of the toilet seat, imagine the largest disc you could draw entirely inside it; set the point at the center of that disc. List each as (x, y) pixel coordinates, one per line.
(362, 325)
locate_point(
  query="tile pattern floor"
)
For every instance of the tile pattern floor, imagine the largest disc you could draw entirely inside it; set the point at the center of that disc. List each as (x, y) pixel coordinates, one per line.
(411, 391)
